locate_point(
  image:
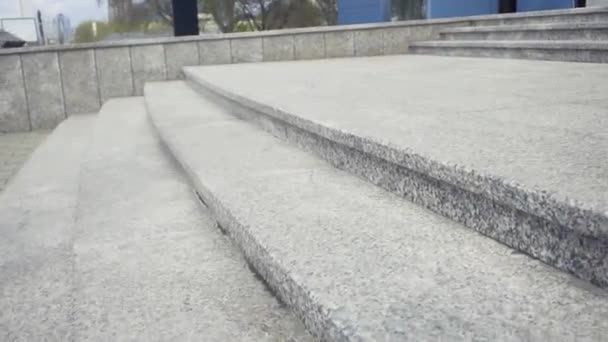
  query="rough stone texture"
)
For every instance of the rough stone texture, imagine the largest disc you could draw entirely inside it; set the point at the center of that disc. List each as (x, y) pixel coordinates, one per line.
(215, 52)
(279, 48)
(149, 262)
(43, 85)
(369, 42)
(503, 165)
(339, 44)
(15, 149)
(542, 17)
(13, 104)
(114, 72)
(309, 46)
(178, 56)
(569, 31)
(355, 262)
(246, 50)
(148, 64)
(396, 40)
(115, 246)
(565, 51)
(79, 77)
(37, 220)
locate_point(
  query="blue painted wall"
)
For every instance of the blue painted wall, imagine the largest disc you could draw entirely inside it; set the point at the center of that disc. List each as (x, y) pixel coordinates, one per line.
(459, 8)
(539, 5)
(363, 11)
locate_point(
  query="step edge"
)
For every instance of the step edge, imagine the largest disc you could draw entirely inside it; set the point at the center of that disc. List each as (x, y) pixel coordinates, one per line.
(457, 175)
(527, 27)
(580, 45)
(270, 269)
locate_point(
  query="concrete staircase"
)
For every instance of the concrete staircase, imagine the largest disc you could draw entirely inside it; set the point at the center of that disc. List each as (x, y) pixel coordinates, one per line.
(102, 239)
(365, 199)
(356, 262)
(580, 38)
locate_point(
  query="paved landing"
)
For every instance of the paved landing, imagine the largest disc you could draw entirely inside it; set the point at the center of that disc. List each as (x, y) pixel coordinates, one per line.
(543, 125)
(15, 149)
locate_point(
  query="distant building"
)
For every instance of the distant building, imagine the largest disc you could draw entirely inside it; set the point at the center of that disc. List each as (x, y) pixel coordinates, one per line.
(363, 11)
(369, 11)
(451, 8)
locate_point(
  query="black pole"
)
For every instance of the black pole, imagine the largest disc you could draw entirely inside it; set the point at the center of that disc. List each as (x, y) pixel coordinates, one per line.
(185, 18)
(40, 27)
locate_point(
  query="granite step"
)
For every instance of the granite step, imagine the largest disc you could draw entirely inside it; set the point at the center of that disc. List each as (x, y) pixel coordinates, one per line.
(553, 31)
(37, 216)
(557, 50)
(563, 16)
(357, 263)
(510, 148)
(149, 263)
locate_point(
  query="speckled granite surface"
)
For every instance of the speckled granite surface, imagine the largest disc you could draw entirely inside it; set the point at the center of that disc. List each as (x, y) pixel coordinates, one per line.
(521, 196)
(358, 263)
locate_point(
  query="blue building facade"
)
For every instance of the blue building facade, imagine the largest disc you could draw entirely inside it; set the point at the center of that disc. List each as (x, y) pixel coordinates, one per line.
(363, 11)
(539, 5)
(459, 8)
(371, 11)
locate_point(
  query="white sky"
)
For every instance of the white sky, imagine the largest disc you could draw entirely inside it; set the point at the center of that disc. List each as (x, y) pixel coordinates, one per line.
(76, 10)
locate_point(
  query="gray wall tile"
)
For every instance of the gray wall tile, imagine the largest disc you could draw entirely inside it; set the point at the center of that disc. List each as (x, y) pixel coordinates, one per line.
(13, 105)
(309, 46)
(43, 86)
(214, 52)
(278, 48)
(114, 72)
(245, 50)
(369, 42)
(178, 56)
(148, 63)
(396, 40)
(79, 76)
(339, 44)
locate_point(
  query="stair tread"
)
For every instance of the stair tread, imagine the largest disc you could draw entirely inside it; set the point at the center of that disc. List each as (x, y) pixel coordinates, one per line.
(155, 264)
(516, 132)
(357, 261)
(37, 213)
(528, 27)
(532, 44)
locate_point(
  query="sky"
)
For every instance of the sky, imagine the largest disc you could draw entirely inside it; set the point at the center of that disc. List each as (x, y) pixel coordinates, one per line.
(76, 10)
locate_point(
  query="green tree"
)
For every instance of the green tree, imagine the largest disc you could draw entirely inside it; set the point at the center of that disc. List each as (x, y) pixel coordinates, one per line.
(329, 9)
(87, 32)
(238, 15)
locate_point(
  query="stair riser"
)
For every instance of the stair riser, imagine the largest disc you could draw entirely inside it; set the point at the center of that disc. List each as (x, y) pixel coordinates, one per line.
(580, 34)
(584, 56)
(562, 19)
(528, 233)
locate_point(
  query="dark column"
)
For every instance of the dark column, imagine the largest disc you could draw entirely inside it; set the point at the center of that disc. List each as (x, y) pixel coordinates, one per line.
(185, 17)
(42, 38)
(507, 6)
